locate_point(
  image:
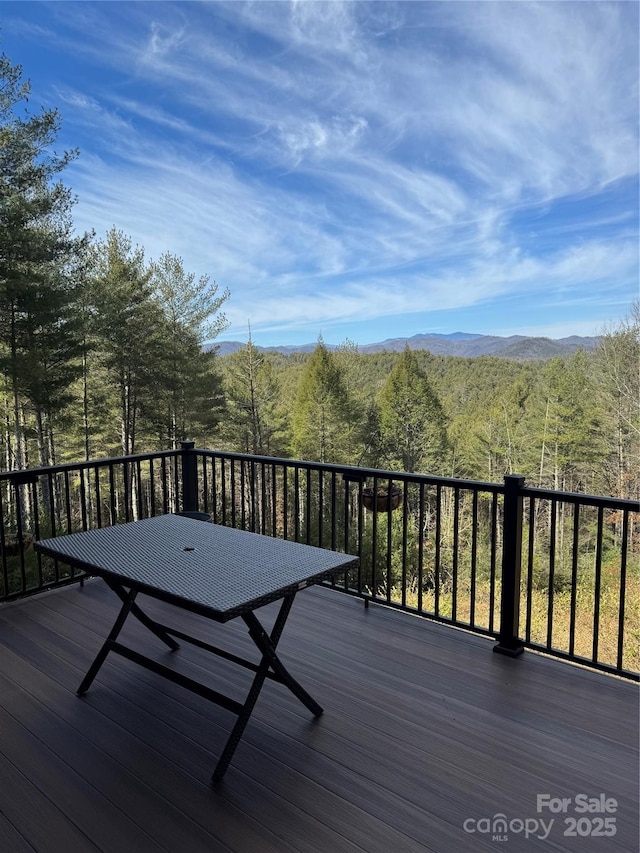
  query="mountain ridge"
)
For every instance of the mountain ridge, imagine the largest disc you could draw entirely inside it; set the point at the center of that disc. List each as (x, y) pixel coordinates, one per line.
(461, 344)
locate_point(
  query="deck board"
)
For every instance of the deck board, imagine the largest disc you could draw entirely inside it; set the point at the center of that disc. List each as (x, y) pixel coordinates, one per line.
(424, 727)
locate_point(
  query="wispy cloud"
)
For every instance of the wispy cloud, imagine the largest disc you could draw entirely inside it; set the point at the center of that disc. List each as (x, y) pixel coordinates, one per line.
(341, 162)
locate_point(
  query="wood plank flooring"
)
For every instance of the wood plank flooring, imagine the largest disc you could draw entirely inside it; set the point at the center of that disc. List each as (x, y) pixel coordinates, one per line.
(426, 734)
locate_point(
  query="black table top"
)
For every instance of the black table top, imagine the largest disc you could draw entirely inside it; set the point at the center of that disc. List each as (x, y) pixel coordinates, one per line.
(219, 571)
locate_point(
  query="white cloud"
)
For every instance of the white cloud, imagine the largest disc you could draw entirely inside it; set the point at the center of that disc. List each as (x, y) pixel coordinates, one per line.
(331, 162)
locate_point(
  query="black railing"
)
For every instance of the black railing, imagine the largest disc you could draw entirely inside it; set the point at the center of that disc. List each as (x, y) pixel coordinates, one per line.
(40, 502)
(552, 571)
(582, 565)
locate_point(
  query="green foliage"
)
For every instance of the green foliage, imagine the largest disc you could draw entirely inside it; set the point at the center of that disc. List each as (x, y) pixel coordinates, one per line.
(569, 437)
(389, 556)
(39, 321)
(188, 391)
(573, 423)
(323, 427)
(253, 422)
(412, 423)
(187, 304)
(126, 324)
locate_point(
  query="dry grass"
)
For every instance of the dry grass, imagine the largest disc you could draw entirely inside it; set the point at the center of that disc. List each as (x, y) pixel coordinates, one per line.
(538, 628)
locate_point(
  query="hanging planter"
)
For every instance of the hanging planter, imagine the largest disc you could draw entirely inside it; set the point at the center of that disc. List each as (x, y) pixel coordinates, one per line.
(382, 499)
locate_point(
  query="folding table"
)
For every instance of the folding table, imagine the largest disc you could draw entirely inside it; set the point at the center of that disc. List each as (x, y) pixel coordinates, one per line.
(217, 572)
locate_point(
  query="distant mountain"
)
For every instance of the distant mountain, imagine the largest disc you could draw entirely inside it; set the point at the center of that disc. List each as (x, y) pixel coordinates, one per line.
(461, 344)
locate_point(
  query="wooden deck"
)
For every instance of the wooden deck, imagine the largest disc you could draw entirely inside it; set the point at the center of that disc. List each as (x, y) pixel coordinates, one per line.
(425, 732)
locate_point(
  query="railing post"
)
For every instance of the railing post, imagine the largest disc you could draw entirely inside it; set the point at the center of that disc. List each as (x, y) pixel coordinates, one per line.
(508, 642)
(189, 477)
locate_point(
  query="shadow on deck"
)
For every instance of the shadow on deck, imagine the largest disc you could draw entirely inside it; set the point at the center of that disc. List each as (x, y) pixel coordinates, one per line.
(425, 732)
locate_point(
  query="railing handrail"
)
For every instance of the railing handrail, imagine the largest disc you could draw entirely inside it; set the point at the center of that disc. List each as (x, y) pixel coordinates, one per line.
(605, 501)
(357, 472)
(352, 472)
(26, 475)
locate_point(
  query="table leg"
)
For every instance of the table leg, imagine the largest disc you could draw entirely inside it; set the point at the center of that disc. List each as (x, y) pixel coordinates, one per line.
(108, 643)
(267, 644)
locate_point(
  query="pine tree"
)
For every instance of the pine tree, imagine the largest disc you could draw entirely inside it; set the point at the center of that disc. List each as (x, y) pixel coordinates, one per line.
(570, 440)
(323, 421)
(412, 421)
(39, 320)
(127, 327)
(188, 391)
(252, 393)
(617, 376)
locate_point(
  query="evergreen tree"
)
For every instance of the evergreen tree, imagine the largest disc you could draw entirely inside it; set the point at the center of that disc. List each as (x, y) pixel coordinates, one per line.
(188, 390)
(412, 421)
(187, 302)
(569, 438)
(252, 393)
(127, 325)
(39, 320)
(489, 437)
(323, 427)
(617, 375)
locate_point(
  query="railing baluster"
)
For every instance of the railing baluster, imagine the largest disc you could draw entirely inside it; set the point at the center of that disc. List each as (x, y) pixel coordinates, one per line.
(223, 491)
(296, 490)
(307, 504)
(623, 584)
(530, 566)
(474, 557)
(389, 549)
(404, 543)
(437, 556)
(67, 502)
(597, 586)
(552, 573)
(456, 551)
(35, 507)
(334, 513)
(152, 488)
(4, 588)
(374, 538)
(98, 504)
(492, 571)
(285, 502)
(421, 532)
(126, 475)
(214, 489)
(274, 496)
(263, 498)
(320, 505)
(574, 578)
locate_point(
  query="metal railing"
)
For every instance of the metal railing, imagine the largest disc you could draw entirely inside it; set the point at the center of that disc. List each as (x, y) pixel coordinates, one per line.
(553, 571)
(37, 503)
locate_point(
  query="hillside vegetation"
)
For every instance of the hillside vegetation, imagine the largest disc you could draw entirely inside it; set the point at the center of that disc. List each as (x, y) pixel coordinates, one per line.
(569, 424)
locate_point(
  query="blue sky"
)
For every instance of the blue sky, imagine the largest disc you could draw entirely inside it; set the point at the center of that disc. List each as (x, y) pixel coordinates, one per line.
(358, 170)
